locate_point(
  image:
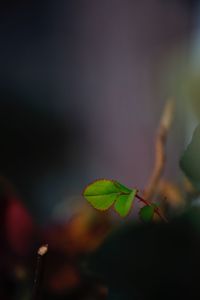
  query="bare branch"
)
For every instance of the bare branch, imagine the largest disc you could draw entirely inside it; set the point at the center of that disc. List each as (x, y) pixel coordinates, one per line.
(160, 156)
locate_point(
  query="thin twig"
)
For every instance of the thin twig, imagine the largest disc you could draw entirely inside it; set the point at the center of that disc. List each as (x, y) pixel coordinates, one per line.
(38, 271)
(160, 156)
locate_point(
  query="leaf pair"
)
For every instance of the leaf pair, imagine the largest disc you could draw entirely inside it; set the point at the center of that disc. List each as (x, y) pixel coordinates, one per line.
(103, 193)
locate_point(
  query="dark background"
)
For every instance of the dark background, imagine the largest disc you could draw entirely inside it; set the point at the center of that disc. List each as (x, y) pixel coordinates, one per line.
(82, 88)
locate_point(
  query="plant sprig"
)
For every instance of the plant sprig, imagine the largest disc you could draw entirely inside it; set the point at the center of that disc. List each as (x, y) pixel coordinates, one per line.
(103, 194)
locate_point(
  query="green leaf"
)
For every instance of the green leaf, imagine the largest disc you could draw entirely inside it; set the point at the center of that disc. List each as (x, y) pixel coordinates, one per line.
(121, 187)
(103, 193)
(124, 202)
(146, 213)
(190, 161)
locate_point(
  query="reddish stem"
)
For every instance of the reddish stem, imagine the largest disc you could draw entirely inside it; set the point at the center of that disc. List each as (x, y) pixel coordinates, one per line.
(157, 210)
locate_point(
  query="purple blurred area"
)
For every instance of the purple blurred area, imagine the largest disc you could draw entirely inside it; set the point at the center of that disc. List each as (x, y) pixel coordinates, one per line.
(82, 88)
(95, 67)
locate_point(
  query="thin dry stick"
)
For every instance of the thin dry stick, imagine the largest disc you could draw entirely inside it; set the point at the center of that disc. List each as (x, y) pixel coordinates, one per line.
(160, 156)
(38, 271)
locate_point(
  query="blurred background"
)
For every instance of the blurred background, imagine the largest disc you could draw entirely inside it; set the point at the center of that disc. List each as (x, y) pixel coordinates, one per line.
(82, 88)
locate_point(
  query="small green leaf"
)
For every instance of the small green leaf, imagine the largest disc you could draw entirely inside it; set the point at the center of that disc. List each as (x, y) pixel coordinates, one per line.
(124, 202)
(101, 194)
(146, 213)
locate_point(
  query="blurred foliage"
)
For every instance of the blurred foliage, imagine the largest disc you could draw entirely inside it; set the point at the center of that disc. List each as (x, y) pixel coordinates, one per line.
(192, 92)
(190, 160)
